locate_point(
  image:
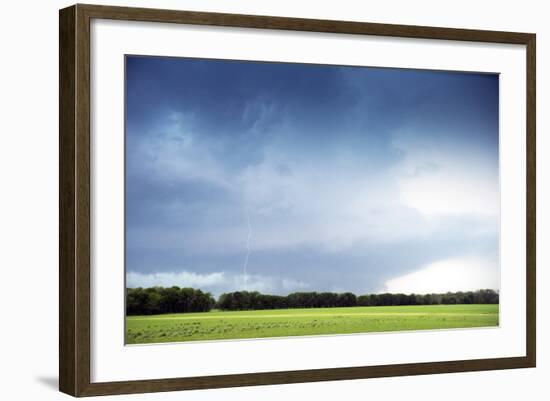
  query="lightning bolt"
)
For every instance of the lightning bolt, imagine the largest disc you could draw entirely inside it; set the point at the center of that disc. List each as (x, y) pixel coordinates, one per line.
(247, 254)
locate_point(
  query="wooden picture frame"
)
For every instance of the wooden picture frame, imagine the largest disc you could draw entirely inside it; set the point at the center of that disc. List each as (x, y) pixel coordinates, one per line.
(74, 200)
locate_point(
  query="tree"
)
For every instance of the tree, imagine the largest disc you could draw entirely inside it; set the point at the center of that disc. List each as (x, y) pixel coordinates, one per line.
(157, 300)
(347, 299)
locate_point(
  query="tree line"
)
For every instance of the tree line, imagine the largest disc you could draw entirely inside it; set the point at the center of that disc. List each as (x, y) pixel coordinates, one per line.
(244, 300)
(158, 300)
(449, 298)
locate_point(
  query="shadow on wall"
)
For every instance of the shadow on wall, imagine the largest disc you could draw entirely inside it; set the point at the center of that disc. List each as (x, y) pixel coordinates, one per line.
(49, 381)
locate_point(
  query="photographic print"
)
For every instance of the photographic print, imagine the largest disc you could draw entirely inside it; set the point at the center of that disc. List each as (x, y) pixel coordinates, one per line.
(242, 188)
(270, 199)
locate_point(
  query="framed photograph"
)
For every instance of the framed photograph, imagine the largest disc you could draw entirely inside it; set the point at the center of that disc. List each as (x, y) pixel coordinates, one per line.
(249, 200)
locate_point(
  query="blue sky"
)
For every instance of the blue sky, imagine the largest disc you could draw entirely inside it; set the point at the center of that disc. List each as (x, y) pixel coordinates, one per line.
(284, 177)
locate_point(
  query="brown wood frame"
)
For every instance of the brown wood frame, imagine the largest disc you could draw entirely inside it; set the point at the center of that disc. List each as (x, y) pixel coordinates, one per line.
(74, 199)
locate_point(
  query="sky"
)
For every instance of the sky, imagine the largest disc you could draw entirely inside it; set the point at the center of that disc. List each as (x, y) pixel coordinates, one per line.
(279, 177)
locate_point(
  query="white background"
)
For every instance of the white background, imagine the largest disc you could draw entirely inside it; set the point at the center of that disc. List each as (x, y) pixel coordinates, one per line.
(111, 361)
(28, 208)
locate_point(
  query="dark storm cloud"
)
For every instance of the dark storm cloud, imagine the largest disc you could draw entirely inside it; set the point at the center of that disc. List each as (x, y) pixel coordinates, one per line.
(349, 176)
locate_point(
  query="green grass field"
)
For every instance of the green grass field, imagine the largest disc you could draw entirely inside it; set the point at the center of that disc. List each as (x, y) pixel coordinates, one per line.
(217, 325)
